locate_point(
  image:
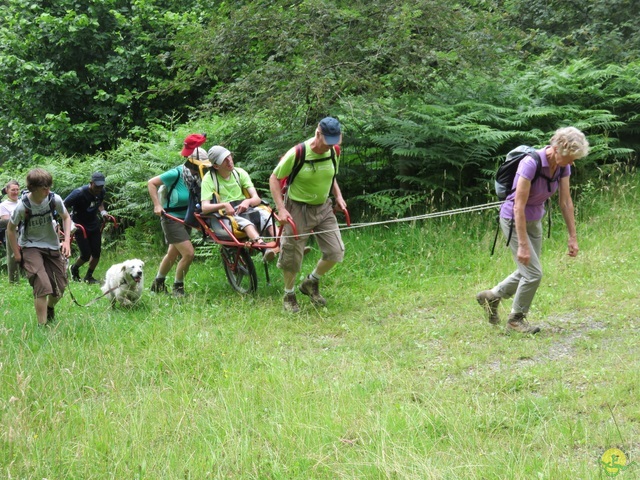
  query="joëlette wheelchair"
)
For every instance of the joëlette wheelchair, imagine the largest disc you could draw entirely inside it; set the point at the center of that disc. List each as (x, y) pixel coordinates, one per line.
(235, 248)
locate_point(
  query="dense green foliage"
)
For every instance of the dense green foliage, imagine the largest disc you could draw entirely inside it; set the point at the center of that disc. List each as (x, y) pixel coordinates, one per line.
(605, 31)
(462, 142)
(431, 93)
(78, 76)
(297, 61)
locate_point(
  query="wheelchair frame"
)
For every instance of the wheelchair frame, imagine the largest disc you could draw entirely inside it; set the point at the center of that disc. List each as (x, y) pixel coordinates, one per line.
(237, 253)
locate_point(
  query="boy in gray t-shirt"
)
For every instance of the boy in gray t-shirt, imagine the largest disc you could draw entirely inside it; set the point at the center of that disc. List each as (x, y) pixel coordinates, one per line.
(37, 248)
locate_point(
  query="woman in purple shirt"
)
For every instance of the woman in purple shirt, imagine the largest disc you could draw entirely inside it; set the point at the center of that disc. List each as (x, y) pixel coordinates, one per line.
(521, 222)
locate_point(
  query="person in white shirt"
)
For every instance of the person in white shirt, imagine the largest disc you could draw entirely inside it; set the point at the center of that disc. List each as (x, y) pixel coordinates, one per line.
(12, 190)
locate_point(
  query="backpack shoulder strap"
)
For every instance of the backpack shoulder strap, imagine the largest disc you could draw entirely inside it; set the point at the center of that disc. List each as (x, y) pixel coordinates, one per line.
(52, 204)
(26, 202)
(335, 151)
(171, 188)
(301, 150)
(534, 154)
(216, 189)
(236, 175)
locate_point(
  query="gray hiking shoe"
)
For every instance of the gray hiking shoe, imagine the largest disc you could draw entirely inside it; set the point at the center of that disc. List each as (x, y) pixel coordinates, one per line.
(489, 301)
(178, 289)
(311, 288)
(518, 323)
(290, 303)
(158, 286)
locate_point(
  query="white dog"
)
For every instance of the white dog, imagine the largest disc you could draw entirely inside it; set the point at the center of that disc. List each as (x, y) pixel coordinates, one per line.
(123, 282)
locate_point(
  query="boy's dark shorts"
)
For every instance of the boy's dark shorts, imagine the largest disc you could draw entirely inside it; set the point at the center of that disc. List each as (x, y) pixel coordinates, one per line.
(46, 271)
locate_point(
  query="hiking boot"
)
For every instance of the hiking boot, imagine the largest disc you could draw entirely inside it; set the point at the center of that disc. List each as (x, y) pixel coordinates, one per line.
(158, 286)
(290, 303)
(51, 314)
(310, 288)
(178, 289)
(489, 301)
(518, 323)
(75, 274)
(91, 281)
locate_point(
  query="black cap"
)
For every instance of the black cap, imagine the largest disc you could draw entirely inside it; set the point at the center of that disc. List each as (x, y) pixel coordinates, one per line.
(98, 179)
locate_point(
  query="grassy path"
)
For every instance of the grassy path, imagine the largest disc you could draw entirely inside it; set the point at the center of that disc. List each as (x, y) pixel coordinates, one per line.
(400, 377)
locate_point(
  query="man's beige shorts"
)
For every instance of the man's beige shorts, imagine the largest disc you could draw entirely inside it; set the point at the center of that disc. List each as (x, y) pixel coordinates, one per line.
(318, 219)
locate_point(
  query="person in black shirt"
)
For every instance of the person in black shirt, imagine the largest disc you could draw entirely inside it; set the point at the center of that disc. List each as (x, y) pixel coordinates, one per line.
(86, 203)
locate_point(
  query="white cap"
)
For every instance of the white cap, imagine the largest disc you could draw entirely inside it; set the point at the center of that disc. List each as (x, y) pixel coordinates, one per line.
(199, 154)
(217, 154)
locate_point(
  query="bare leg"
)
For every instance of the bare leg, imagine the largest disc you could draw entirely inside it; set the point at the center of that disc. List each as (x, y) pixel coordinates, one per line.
(41, 309)
(186, 251)
(324, 266)
(251, 232)
(168, 260)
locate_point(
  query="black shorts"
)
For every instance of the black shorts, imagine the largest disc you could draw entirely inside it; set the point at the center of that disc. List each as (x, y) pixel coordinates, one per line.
(90, 246)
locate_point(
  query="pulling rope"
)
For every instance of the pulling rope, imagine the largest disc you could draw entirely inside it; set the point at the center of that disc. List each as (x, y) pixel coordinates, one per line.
(446, 213)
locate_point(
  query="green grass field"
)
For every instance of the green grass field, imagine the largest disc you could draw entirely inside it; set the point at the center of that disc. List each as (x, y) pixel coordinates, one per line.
(400, 377)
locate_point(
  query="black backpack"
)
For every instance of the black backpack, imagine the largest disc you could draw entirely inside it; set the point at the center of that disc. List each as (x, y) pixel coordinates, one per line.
(506, 174)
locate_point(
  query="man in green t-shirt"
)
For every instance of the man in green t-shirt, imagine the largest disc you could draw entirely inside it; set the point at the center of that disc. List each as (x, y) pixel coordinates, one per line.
(307, 203)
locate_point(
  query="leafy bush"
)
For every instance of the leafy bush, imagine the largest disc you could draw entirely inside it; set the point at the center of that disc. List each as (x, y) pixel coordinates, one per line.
(399, 154)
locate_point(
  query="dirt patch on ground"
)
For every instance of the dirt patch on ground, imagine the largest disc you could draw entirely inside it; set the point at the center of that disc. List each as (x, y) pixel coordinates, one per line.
(568, 332)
